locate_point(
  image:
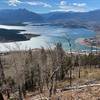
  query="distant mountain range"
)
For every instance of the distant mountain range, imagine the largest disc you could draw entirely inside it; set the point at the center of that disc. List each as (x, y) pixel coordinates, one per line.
(23, 15)
(90, 20)
(19, 16)
(73, 16)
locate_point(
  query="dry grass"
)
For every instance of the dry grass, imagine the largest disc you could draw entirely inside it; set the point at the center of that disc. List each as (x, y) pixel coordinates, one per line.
(89, 93)
(86, 76)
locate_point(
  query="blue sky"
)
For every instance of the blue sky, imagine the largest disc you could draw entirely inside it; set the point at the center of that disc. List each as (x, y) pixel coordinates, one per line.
(44, 6)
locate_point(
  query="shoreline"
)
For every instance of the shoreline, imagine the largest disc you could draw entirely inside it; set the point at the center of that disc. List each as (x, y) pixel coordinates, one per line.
(86, 42)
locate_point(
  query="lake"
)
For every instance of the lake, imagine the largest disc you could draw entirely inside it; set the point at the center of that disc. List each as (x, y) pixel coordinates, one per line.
(49, 36)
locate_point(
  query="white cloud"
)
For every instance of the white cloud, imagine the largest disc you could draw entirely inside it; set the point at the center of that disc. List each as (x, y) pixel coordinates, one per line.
(75, 7)
(34, 3)
(39, 4)
(14, 2)
(63, 3)
(79, 4)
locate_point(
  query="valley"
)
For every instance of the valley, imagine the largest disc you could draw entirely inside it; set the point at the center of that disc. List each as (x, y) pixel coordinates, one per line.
(49, 56)
(64, 20)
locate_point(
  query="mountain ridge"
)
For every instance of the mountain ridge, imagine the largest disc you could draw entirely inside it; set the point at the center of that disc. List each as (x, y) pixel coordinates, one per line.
(19, 16)
(24, 15)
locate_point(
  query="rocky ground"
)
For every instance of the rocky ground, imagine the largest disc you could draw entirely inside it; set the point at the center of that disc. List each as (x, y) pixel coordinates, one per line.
(84, 92)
